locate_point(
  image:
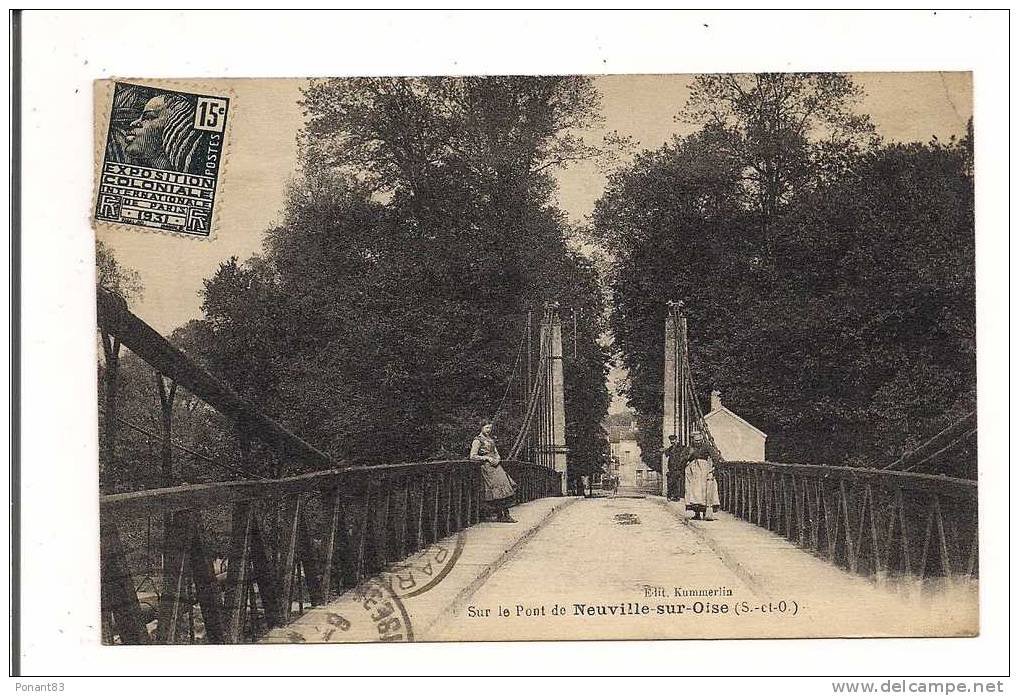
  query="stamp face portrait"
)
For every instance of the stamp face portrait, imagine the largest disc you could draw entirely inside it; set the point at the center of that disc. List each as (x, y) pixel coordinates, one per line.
(162, 158)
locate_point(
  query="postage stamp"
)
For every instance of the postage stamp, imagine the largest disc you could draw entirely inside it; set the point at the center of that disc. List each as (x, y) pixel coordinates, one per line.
(161, 159)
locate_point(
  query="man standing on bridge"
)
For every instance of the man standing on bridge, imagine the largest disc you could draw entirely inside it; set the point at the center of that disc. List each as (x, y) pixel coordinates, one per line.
(677, 456)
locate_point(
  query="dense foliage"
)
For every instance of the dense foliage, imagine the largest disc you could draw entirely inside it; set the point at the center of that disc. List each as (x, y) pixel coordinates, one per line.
(384, 319)
(828, 278)
(831, 300)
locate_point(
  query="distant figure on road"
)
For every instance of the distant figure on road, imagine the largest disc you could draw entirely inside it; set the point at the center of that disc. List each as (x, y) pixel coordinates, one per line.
(499, 487)
(701, 487)
(577, 484)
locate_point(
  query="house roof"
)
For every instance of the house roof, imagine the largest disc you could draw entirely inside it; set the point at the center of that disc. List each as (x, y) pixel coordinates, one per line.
(723, 409)
(619, 433)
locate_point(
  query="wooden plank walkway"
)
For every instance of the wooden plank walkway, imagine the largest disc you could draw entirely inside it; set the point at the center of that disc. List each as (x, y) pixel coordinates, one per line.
(625, 567)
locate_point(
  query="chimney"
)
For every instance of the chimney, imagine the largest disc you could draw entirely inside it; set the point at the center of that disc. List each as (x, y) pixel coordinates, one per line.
(716, 399)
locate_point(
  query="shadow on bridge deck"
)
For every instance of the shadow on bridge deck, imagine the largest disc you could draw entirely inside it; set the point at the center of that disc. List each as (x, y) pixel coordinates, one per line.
(626, 567)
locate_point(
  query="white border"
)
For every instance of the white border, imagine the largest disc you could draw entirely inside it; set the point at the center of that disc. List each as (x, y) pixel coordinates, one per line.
(64, 52)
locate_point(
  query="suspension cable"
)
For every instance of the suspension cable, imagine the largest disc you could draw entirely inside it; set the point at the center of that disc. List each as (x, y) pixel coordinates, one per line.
(529, 417)
(532, 401)
(513, 375)
(950, 434)
(950, 446)
(697, 408)
(198, 455)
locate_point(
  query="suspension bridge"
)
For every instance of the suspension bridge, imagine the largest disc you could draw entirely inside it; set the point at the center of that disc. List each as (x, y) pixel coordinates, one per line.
(400, 551)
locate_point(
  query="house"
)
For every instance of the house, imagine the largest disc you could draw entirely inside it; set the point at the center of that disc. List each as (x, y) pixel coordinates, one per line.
(735, 438)
(627, 462)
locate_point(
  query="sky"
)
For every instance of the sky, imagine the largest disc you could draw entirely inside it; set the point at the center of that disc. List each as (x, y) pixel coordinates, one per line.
(262, 157)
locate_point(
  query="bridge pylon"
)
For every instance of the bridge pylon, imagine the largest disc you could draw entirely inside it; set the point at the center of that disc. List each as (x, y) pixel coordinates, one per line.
(552, 422)
(675, 410)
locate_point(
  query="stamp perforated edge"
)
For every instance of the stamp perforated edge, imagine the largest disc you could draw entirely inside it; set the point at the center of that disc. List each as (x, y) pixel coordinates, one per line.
(102, 100)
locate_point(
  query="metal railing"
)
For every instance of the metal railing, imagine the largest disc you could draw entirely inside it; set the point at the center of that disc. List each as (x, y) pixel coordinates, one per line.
(287, 541)
(237, 556)
(875, 522)
(650, 484)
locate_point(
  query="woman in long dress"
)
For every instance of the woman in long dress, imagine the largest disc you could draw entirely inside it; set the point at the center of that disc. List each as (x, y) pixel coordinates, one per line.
(500, 489)
(701, 487)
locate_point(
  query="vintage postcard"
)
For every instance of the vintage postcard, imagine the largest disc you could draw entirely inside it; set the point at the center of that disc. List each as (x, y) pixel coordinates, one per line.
(509, 358)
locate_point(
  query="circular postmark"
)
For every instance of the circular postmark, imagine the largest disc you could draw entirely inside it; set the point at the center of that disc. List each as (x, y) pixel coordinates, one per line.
(374, 611)
(425, 569)
(370, 613)
(385, 612)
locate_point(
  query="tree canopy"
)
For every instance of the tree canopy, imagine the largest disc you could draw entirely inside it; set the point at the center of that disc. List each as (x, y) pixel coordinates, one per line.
(115, 277)
(828, 277)
(780, 131)
(846, 330)
(383, 319)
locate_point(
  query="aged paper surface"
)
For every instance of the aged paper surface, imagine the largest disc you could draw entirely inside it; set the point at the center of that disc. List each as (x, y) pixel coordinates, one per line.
(560, 358)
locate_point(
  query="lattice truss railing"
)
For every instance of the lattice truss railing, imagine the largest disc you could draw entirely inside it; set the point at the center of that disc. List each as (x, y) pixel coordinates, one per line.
(880, 523)
(225, 561)
(896, 521)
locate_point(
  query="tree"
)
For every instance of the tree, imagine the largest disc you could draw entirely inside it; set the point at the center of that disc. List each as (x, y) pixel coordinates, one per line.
(383, 318)
(853, 344)
(585, 371)
(888, 257)
(396, 134)
(115, 277)
(675, 227)
(781, 131)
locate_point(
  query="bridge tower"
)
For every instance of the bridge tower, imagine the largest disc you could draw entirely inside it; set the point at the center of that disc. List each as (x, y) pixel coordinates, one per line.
(675, 409)
(551, 449)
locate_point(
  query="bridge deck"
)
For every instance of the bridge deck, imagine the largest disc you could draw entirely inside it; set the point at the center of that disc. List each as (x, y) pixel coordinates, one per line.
(626, 552)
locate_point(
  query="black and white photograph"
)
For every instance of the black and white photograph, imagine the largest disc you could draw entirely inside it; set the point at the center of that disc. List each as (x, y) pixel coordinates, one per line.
(700, 347)
(660, 348)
